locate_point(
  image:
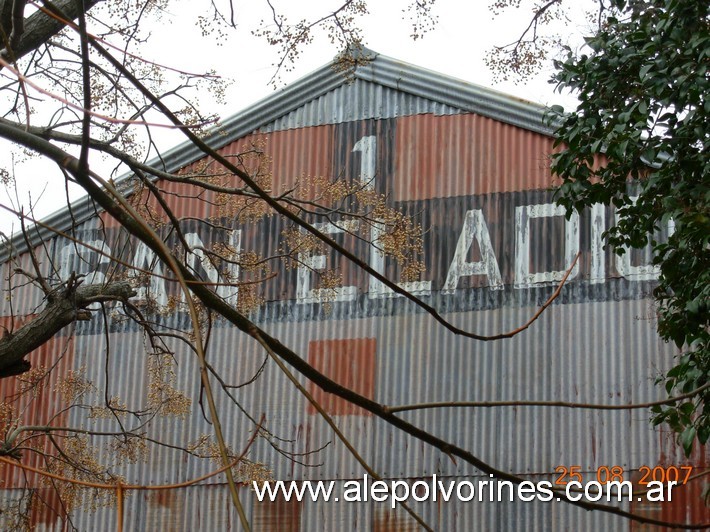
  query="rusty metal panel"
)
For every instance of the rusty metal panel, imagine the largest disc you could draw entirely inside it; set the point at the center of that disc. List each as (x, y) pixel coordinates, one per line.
(465, 155)
(34, 399)
(349, 362)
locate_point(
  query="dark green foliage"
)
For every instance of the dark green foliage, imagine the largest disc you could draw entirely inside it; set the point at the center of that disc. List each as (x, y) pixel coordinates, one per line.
(643, 90)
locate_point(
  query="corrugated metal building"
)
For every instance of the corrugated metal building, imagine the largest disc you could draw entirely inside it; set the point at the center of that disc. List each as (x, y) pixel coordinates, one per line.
(468, 164)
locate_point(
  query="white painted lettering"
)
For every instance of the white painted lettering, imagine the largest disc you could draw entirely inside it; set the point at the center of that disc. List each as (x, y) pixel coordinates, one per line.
(523, 214)
(309, 264)
(77, 258)
(198, 258)
(367, 146)
(474, 226)
(145, 259)
(640, 272)
(598, 272)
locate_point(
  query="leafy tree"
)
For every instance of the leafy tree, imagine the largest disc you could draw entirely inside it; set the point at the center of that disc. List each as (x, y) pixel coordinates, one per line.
(642, 81)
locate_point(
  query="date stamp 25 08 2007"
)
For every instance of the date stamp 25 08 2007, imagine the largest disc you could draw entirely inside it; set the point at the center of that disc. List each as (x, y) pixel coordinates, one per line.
(645, 482)
(678, 474)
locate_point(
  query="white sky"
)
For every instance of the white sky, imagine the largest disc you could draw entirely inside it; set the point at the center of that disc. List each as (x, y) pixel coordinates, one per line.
(457, 47)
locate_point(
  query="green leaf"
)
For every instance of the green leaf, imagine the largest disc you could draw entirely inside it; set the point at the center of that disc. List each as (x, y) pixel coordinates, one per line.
(686, 440)
(687, 408)
(704, 434)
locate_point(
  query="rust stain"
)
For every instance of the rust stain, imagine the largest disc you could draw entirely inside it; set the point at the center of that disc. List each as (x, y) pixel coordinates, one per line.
(165, 510)
(162, 498)
(281, 515)
(688, 505)
(46, 508)
(690, 502)
(388, 520)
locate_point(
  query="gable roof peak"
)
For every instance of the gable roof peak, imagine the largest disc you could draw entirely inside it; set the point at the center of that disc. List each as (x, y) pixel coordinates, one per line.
(364, 64)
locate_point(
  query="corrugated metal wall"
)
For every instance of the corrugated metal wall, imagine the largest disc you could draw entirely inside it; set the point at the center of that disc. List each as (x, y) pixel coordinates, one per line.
(479, 188)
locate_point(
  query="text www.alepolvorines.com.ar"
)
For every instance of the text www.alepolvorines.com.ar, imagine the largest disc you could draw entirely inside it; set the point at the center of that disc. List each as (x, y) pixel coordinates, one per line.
(393, 492)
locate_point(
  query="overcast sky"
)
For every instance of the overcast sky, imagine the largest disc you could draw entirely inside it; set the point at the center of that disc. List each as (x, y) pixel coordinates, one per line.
(456, 47)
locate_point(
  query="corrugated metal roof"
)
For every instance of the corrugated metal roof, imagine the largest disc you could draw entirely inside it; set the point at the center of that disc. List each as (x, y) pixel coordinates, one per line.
(358, 100)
